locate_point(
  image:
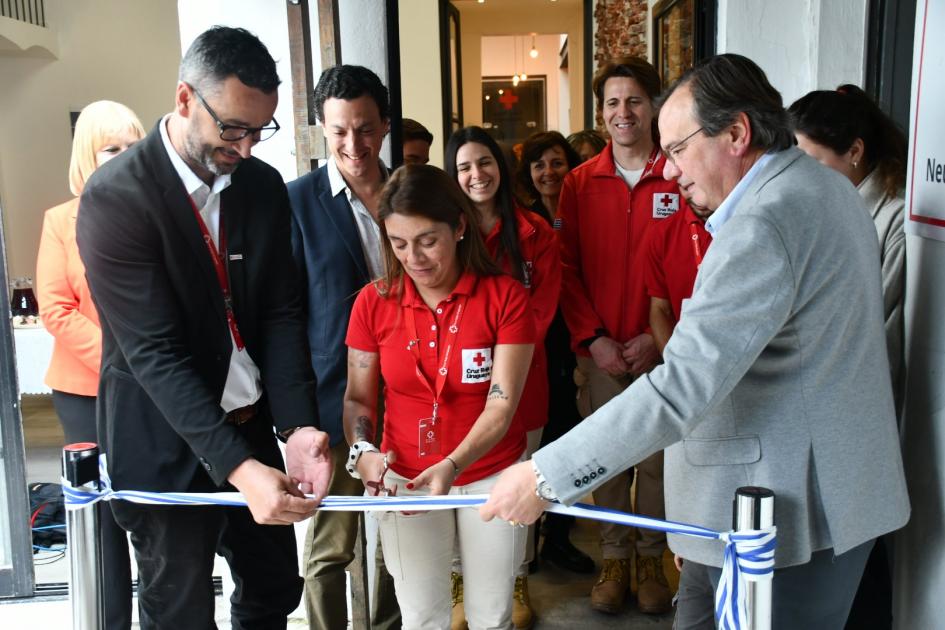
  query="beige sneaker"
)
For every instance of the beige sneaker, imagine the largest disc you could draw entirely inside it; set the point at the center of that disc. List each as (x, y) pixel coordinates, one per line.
(653, 594)
(523, 617)
(458, 619)
(612, 586)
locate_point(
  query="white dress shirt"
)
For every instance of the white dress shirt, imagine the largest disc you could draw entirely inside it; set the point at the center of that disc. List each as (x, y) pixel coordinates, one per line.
(242, 380)
(368, 229)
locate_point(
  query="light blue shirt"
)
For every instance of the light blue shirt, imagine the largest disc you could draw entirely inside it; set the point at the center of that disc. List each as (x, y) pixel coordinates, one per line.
(724, 211)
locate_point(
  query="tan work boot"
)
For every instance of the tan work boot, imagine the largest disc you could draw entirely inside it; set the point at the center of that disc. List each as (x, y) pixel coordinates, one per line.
(523, 617)
(611, 589)
(458, 619)
(653, 594)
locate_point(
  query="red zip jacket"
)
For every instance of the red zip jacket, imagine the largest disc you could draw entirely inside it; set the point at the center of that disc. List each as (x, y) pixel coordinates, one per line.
(601, 228)
(543, 281)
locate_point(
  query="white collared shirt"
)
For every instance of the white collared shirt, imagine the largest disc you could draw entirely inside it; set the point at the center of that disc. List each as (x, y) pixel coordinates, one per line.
(368, 229)
(725, 209)
(242, 380)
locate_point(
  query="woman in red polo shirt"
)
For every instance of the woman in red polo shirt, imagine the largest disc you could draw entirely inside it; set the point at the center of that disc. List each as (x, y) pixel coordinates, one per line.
(453, 338)
(524, 245)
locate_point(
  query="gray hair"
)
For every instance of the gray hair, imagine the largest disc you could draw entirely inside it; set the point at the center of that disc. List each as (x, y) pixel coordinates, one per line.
(221, 52)
(724, 86)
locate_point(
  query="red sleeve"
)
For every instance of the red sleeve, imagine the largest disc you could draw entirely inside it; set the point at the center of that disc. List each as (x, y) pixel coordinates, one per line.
(546, 278)
(516, 323)
(362, 334)
(576, 306)
(654, 276)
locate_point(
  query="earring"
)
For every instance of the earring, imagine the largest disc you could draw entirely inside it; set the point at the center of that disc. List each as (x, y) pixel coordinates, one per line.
(461, 237)
(855, 163)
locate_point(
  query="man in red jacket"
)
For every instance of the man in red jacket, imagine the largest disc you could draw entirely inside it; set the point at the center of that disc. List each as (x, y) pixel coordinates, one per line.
(607, 205)
(674, 250)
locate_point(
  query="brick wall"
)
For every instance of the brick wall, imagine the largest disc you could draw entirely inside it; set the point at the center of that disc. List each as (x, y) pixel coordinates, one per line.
(621, 31)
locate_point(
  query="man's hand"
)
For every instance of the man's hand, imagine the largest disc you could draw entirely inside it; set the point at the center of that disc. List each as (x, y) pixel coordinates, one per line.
(272, 497)
(513, 497)
(641, 354)
(308, 461)
(608, 356)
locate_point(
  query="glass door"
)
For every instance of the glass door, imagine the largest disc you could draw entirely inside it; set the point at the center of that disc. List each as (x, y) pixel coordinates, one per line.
(16, 557)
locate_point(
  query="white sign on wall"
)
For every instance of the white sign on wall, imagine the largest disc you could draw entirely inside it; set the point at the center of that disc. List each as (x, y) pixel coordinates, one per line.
(925, 183)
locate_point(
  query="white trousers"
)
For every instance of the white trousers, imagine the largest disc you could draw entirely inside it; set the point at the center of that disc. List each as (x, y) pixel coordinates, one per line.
(419, 549)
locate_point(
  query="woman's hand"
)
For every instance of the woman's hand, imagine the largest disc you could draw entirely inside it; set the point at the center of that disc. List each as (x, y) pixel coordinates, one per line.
(439, 478)
(371, 466)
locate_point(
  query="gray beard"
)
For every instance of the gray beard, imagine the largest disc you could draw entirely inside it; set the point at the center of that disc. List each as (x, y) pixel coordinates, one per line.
(202, 154)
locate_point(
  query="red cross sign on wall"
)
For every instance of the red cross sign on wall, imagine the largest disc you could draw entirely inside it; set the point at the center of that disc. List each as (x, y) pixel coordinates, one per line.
(508, 100)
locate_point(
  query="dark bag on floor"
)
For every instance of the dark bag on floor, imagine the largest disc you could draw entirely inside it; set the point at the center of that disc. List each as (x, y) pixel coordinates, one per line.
(47, 509)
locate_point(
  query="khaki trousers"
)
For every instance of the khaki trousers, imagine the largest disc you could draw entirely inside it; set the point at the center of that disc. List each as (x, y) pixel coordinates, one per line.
(329, 549)
(595, 388)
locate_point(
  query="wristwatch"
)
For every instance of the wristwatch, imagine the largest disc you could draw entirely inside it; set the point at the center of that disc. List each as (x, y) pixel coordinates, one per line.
(542, 488)
(354, 454)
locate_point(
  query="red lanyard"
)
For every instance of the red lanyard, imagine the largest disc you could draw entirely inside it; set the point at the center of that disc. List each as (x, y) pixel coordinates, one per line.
(696, 245)
(452, 331)
(222, 277)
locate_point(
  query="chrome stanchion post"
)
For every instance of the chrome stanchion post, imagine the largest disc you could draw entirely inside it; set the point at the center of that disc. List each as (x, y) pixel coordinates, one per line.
(754, 509)
(83, 537)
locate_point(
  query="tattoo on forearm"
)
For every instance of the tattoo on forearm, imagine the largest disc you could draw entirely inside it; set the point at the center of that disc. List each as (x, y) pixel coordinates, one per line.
(358, 359)
(364, 429)
(496, 393)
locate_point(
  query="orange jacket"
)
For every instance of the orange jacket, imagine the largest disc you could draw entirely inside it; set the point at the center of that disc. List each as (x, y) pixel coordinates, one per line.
(66, 307)
(601, 227)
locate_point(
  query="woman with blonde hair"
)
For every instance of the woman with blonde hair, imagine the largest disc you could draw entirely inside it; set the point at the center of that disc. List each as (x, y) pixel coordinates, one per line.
(103, 130)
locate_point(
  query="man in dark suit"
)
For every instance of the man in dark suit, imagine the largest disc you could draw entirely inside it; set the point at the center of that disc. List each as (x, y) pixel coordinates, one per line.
(336, 243)
(186, 246)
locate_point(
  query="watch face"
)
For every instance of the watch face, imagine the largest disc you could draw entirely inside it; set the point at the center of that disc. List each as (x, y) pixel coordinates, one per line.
(545, 492)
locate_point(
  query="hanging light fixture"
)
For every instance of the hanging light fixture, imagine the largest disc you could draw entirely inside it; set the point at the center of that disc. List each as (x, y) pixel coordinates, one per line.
(533, 53)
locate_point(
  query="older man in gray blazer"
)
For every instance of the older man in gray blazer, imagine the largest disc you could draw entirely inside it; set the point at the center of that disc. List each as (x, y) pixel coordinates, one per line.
(776, 375)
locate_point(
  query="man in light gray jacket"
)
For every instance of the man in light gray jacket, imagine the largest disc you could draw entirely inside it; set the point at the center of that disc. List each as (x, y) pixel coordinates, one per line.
(776, 374)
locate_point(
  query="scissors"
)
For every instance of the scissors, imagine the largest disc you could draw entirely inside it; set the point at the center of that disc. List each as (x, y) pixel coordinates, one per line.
(378, 486)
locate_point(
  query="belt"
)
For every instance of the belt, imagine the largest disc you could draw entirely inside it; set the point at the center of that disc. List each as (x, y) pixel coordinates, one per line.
(243, 414)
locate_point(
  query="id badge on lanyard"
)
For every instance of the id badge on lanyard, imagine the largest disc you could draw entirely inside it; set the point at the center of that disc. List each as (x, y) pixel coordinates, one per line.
(429, 429)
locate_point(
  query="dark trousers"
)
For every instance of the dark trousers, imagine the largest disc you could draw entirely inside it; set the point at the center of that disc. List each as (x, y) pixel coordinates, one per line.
(77, 417)
(872, 606)
(175, 545)
(812, 596)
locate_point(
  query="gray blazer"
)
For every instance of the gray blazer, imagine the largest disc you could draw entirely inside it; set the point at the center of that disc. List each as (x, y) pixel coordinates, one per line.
(775, 376)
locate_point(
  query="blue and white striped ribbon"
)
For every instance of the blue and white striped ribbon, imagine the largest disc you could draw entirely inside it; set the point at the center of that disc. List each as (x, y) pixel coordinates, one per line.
(749, 555)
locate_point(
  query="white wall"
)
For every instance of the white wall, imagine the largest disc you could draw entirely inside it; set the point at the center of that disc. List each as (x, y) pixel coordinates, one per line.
(802, 45)
(267, 20)
(108, 49)
(420, 69)
(363, 27)
(503, 56)
(919, 578)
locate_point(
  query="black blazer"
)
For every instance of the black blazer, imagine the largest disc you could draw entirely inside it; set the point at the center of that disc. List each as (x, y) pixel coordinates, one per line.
(328, 251)
(165, 341)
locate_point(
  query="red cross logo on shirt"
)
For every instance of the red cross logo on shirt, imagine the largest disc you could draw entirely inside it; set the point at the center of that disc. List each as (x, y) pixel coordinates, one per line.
(508, 100)
(479, 359)
(666, 200)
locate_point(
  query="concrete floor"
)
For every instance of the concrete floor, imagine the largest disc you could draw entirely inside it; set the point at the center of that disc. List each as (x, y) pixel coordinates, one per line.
(560, 598)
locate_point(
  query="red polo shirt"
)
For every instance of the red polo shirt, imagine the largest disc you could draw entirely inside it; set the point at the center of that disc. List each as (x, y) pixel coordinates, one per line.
(601, 227)
(542, 262)
(673, 252)
(496, 312)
